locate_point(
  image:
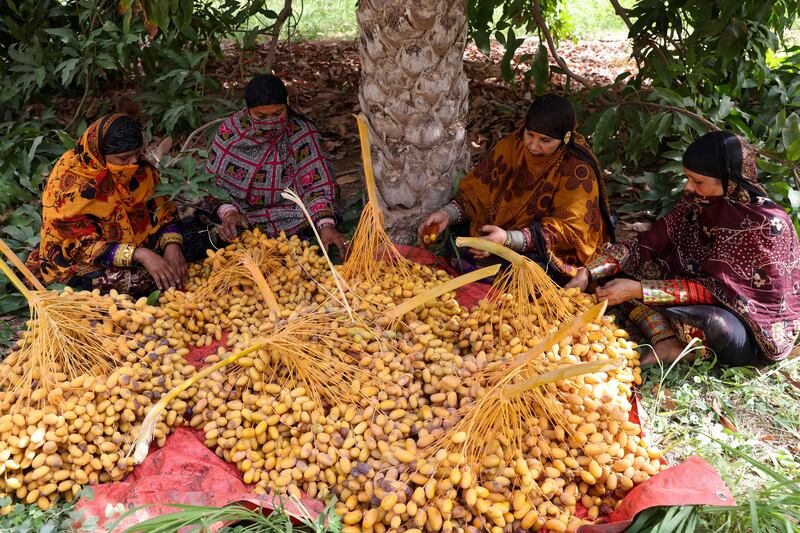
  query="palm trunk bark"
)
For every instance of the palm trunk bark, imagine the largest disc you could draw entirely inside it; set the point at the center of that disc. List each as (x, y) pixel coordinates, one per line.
(414, 94)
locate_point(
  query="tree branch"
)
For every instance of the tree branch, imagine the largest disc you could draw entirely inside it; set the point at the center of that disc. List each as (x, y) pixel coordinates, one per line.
(622, 13)
(542, 25)
(707, 123)
(283, 16)
(188, 142)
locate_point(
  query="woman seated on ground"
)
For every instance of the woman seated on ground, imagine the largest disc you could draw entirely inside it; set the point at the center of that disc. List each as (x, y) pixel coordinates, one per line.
(723, 265)
(539, 191)
(262, 150)
(102, 226)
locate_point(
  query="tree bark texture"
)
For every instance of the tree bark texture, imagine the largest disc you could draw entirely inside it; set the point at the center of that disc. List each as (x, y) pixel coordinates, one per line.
(414, 94)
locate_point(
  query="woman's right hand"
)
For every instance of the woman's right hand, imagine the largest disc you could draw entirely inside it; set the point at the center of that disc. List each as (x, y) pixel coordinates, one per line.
(436, 223)
(164, 273)
(230, 223)
(581, 280)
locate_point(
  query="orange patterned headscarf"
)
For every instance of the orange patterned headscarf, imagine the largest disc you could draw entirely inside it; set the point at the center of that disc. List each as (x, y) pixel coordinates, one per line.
(91, 207)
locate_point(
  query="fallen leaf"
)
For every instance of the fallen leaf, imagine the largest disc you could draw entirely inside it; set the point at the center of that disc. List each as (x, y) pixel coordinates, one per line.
(723, 419)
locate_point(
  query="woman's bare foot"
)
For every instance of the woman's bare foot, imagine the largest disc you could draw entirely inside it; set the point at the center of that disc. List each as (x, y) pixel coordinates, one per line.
(665, 351)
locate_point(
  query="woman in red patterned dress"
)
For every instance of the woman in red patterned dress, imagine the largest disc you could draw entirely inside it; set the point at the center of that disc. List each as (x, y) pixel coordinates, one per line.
(723, 265)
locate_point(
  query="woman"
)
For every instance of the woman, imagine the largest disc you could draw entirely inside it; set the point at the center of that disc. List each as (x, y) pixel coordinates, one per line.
(539, 191)
(102, 226)
(723, 265)
(262, 150)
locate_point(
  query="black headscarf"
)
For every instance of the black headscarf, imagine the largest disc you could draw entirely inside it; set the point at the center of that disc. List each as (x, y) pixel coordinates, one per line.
(265, 89)
(123, 134)
(720, 155)
(551, 115)
(554, 116)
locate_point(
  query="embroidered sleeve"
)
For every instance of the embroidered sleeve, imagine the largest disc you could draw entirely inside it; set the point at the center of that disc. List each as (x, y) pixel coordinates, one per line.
(169, 233)
(675, 292)
(516, 240)
(455, 212)
(118, 255)
(655, 326)
(602, 266)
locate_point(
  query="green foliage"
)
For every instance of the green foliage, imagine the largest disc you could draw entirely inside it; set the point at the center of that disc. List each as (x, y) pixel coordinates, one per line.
(31, 519)
(745, 423)
(246, 520)
(701, 65)
(55, 55)
(183, 178)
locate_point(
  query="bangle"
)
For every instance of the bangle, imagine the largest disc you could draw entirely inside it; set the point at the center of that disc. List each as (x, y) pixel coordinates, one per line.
(225, 209)
(123, 256)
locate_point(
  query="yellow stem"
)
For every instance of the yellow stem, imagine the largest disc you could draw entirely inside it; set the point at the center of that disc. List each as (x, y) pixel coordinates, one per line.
(448, 286)
(289, 194)
(9, 253)
(366, 156)
(15, 280)
(563, 372)
(142, 442)
(205, 372)
(588, 316)
(262, 284)
(493, 248)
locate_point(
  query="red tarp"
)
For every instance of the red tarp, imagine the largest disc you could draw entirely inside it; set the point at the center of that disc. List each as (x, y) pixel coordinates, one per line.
(184, 471)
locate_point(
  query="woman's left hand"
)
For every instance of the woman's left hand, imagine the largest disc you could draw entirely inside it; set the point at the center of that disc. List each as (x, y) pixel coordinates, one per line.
(331, 236)
(174, 256)
(493, 234)
(617, 291)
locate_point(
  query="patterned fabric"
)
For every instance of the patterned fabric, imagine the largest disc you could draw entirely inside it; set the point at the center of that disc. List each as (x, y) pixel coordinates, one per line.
(556, 199)
(134, 281)
(742, 248)
(675, 292)
(92, 211)
(602, 266)
(255, 160)
(653, 325)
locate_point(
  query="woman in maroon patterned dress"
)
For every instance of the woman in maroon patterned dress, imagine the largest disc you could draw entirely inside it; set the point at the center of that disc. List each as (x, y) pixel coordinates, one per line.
(723, 265)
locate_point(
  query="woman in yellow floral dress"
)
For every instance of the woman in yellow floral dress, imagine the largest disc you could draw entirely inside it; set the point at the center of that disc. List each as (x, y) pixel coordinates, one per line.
(102, 224)
(539, 191)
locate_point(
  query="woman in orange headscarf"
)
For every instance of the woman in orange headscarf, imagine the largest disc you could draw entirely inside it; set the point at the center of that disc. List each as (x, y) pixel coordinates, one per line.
(102, 225)
(539, 191)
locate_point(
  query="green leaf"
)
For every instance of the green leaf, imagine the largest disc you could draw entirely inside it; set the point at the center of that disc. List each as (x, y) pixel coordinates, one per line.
(606, 125)
(152, 298)
(66, 139)
(68, 68)
(790, 134)
(482, 41)
(540, 68)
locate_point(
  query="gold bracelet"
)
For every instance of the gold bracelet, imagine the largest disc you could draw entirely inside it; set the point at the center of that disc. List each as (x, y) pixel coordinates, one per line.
(170, 238)
(123, 256)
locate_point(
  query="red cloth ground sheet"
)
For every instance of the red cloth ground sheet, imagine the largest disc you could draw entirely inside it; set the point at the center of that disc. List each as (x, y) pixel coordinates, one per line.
(184, 471)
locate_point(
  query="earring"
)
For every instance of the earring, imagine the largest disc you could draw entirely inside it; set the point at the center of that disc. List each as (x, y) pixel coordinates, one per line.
(567, 137)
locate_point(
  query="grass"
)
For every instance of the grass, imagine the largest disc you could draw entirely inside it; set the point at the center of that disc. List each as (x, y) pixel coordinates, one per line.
(336, 19)
(745, 423)
(31, 519)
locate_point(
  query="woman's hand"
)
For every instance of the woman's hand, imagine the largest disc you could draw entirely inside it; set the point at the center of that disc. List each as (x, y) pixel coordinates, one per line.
(436, 223)
(174, 256)
(330, 235)
(230, 222)
(164, 274)
(581, 280)
(617, 291)
(493, 234)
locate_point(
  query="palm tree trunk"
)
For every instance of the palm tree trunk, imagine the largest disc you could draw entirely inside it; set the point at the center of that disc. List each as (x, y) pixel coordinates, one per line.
(414, 95)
